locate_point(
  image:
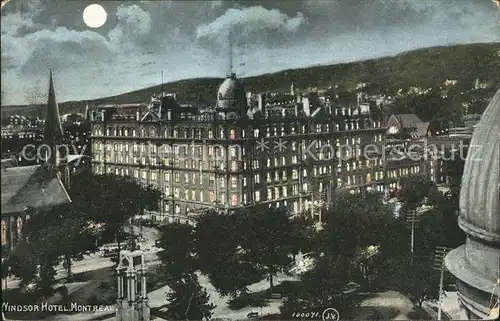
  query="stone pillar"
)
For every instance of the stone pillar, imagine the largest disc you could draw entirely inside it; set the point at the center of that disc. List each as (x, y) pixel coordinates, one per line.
(120, 288)
(132, 286)
(144, 292)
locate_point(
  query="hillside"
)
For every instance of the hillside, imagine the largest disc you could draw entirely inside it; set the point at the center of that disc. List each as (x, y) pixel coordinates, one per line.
(428, 67)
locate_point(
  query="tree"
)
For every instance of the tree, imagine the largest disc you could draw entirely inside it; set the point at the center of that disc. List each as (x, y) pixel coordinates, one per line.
(354, 222)
(415, 190)
(178, 256)
(302, 235)
(22, 263)
(188, 300)
(420, 281)
(321, 287)
(221, 258)
(266, 235)
(112, 200)
(65, 231)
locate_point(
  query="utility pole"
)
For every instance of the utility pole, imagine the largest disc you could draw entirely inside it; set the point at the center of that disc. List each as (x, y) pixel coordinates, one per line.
(439, 255)
(412, 218)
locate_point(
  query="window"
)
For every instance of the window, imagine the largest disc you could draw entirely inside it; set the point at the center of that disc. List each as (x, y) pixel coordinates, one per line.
(177, 192)
(177, 177)
(153, 177)
(211, 196)
(257, 179)
(235, 199)
(257, 196)
(233, 134)
(234, 181)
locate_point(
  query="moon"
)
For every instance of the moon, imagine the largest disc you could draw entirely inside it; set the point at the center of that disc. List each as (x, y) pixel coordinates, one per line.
(94, 16)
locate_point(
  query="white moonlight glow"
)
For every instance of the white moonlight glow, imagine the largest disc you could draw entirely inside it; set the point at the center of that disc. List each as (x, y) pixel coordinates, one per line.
(94, 16)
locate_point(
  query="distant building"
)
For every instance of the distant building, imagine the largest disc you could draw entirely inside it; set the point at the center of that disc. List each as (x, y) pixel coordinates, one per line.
(406, 153)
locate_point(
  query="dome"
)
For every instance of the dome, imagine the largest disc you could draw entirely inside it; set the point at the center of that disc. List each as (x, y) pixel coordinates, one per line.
(475, 264)
(231, 94)
(480, 192)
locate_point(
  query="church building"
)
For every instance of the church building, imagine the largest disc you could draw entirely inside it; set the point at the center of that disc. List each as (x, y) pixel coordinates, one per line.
(27, 190)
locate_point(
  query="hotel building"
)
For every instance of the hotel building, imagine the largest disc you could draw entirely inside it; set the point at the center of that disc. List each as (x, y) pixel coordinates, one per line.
(282, 150)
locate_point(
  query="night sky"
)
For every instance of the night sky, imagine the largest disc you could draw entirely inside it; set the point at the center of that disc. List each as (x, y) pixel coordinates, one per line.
(188, 39)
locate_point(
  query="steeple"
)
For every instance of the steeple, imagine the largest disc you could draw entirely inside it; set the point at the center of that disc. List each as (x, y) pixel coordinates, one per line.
(53, 131)
(54, 137)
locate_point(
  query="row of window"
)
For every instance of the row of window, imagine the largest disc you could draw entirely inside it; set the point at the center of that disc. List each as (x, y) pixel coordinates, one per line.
(404, 172)
(199, 133)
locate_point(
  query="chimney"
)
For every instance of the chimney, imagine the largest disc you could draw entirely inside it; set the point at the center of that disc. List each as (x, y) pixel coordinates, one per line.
(261, 103)
(86, 115)
(306, 106)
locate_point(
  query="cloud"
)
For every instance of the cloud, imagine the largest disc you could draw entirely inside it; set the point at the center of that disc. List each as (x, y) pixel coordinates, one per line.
(249, 21)
(133, 24)
(183, 38)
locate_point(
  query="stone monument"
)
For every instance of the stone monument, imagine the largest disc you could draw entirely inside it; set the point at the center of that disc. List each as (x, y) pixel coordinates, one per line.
(132, 303)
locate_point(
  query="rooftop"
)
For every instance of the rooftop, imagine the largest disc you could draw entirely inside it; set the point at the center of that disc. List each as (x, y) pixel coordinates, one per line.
(31, 187)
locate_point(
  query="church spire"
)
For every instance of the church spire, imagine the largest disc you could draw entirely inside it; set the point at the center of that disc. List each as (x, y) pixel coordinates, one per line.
(53, 129)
